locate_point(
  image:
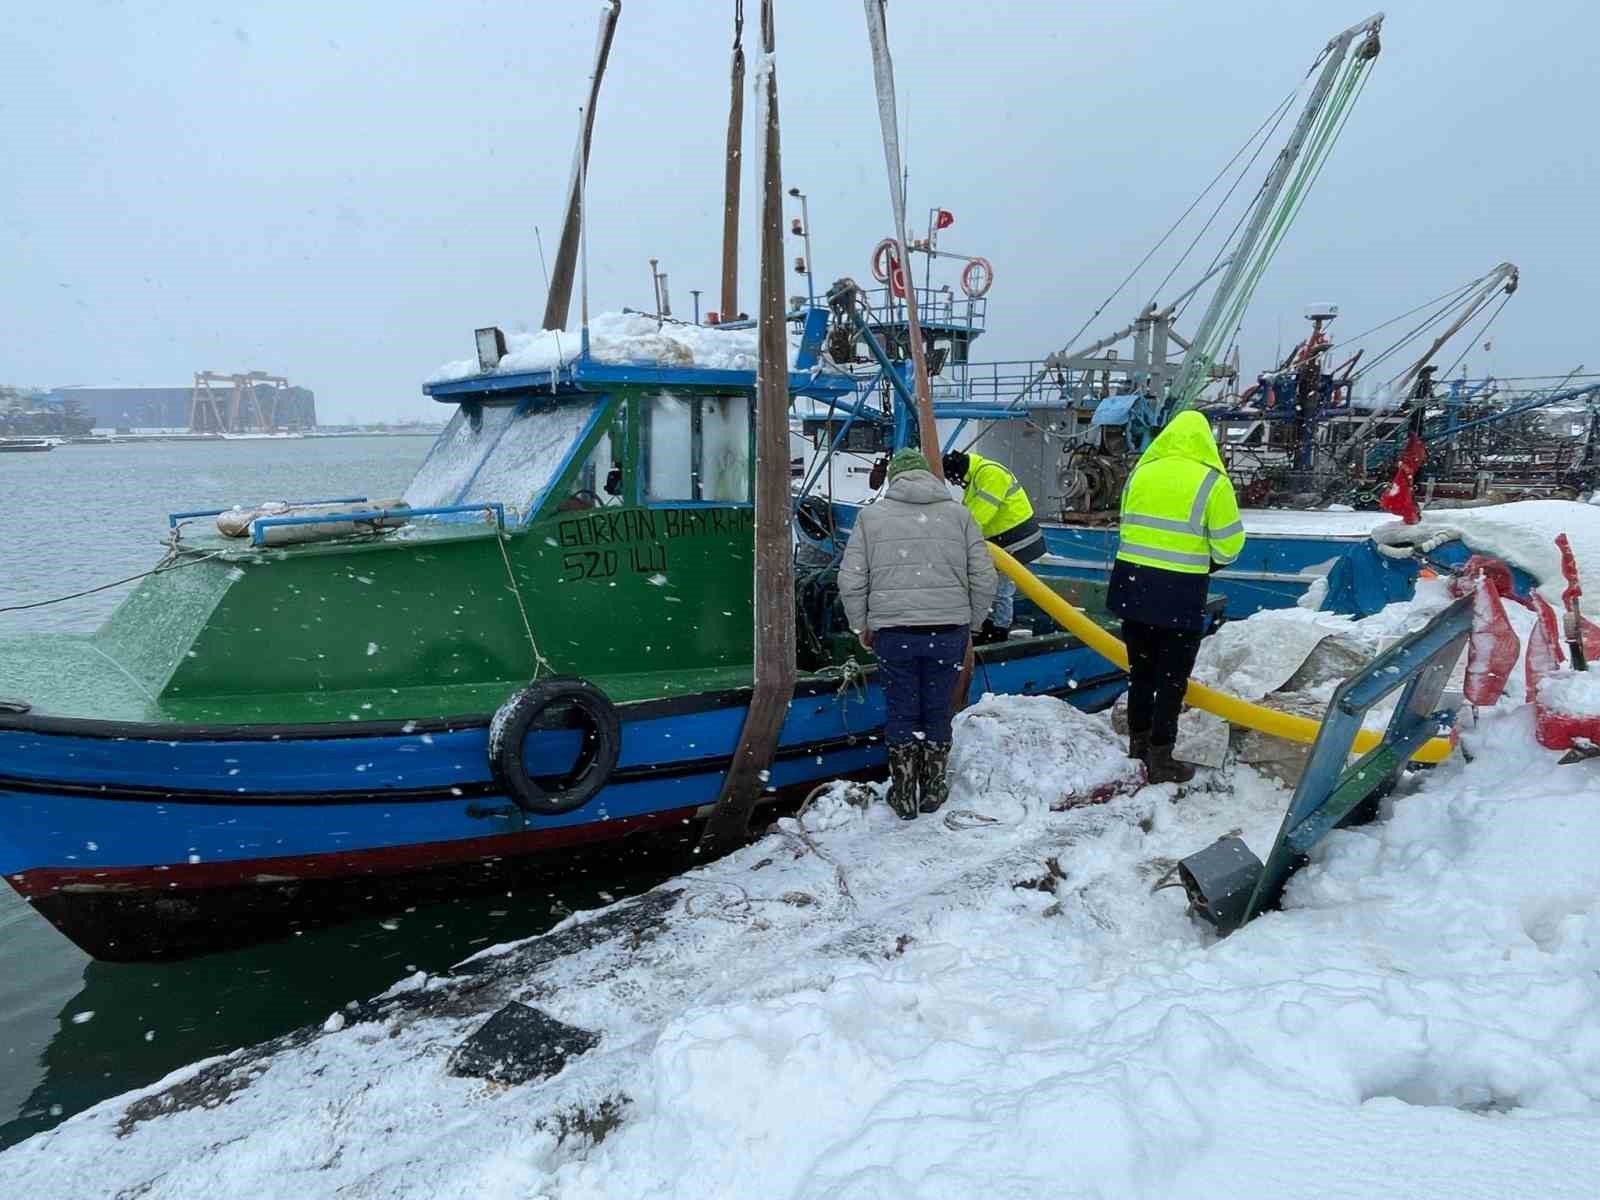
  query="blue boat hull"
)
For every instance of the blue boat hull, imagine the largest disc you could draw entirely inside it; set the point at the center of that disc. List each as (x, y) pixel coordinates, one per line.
(144, 842)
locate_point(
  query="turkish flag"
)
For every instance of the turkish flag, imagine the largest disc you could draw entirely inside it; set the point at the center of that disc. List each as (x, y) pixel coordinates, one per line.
(945, 219)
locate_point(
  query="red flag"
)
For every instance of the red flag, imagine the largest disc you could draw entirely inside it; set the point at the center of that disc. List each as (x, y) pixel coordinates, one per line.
(945, 219)
(1397, 497)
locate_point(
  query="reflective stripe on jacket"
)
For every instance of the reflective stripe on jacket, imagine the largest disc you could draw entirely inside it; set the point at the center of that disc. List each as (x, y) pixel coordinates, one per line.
(1179, 512)
(994, 497)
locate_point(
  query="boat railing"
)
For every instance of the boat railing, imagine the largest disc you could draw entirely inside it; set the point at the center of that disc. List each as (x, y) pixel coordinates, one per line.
(173, 519)
(938, 309)
(375, 517)
(1007, 386)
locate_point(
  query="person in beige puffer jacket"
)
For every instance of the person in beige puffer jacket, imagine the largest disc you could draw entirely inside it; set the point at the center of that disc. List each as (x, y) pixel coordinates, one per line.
(915, 580)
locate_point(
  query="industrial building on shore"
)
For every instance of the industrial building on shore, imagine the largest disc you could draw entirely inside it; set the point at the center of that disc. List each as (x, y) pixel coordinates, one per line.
(250, 402)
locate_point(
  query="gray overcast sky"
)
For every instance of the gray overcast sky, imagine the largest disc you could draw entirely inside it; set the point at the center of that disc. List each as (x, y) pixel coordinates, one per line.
(342, 192)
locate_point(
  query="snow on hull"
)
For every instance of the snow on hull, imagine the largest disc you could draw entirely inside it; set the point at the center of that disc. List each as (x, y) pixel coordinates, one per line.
(619, 338)
(1523, 533)
(857, 1007)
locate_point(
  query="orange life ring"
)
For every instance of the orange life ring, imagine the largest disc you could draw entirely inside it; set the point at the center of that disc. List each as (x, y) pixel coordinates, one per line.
(977, 277)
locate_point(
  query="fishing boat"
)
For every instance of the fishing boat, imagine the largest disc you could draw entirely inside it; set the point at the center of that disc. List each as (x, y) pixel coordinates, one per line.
(1071, 424)
(546, 642)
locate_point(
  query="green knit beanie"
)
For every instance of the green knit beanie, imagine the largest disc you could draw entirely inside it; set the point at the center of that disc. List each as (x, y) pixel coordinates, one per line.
(907, 460)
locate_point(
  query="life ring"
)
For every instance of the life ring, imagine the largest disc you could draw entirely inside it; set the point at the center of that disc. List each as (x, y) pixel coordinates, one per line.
(597, 758)
(887, 267)
(885, 256)
(976, 277)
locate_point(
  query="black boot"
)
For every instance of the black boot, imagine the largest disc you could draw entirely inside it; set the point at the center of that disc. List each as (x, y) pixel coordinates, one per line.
(1139, 745)
(934, 777)
(904, 769)
(1161, 767)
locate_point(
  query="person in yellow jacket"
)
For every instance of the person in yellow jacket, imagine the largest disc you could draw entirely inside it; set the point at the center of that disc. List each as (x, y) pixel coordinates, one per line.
(1004, 515)
(1180, 521)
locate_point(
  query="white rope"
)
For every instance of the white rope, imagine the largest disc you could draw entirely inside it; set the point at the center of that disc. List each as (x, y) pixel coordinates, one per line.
(539, 660)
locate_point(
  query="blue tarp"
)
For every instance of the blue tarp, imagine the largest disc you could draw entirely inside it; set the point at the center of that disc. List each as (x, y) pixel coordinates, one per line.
(1363, 581)
(1114, 410)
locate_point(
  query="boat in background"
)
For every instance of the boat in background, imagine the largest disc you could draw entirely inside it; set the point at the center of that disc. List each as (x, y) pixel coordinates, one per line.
(26, 445)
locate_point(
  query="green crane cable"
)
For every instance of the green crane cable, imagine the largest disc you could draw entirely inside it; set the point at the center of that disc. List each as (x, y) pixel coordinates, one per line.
(1330, 123)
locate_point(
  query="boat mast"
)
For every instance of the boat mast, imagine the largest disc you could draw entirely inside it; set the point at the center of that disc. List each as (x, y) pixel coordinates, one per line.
(731, 173)
(1255, 246)
(883, 76)
(773, 609)
(558, 303)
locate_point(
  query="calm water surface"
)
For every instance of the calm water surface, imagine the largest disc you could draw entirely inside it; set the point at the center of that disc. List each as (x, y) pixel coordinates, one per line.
(73, 1031)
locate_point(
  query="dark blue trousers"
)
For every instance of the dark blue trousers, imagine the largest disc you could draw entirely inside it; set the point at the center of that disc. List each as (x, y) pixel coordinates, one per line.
(918, 667)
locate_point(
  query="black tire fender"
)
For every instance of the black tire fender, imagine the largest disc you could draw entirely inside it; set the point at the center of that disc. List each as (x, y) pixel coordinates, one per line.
(602, 742)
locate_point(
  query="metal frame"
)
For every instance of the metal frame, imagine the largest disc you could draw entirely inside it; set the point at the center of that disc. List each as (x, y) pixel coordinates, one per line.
(174, 518)
(1328, 793)
(375, 515)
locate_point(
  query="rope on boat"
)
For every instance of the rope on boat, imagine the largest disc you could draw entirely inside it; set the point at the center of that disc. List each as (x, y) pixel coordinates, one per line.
(539, 660)
(161, 568)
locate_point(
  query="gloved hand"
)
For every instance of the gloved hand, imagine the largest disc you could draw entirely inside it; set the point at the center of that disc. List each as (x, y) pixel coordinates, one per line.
(880, 471)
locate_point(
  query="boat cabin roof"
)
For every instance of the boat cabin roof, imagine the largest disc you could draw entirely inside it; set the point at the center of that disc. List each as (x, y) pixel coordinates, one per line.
(592, 375)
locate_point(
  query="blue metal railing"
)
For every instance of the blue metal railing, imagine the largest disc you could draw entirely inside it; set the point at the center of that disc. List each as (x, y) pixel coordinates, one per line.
(174, 518)
(935, 308)
(373, 516)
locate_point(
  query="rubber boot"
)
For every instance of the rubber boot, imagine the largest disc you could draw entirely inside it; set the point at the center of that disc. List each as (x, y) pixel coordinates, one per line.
(934, 776)
(1161, 767)
(904, 768)
(1139, 745)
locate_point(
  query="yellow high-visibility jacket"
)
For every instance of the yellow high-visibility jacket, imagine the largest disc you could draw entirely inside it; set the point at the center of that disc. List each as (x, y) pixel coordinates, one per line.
(1179, 512)
(994, 497)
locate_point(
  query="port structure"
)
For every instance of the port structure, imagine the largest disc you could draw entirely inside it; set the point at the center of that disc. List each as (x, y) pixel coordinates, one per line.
(246, 402)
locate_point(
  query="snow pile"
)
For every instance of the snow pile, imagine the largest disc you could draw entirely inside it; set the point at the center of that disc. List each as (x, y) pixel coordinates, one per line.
(620, 338)
(1006, 740)
(988, 1002)
(1523, 533)
(1572, 693)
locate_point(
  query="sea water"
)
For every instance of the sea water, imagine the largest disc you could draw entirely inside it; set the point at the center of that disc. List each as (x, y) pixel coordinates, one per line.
(73, 1031)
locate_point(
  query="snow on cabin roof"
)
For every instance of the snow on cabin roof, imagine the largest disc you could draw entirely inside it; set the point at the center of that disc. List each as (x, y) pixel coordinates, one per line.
(619, 338)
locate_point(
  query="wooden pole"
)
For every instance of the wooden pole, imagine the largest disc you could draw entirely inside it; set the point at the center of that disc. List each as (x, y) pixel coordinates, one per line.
(889, 121)
(732, 173)
(773, 684)
(558, 303)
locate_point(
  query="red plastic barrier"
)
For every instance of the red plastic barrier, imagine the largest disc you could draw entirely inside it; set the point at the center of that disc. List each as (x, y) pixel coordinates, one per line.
(1493, 649)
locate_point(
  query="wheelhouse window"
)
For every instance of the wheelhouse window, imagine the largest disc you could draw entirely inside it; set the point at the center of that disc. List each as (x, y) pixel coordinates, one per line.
(505, 454)
(599, 481)
(537, 443)
(697, 448)
(456, 454)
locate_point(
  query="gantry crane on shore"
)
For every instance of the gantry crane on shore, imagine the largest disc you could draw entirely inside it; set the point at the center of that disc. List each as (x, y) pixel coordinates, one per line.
(244, 403)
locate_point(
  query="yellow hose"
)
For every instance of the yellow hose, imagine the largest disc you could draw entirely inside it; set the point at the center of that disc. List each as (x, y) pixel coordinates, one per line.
(1229, 708)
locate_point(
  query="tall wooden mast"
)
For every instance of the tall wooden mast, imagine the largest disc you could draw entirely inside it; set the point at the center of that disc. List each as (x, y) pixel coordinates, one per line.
(559, 301)
(731, 172)
(774, 557)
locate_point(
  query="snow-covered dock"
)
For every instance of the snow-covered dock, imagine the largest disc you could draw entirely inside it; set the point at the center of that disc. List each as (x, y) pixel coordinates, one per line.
(992, 1001)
